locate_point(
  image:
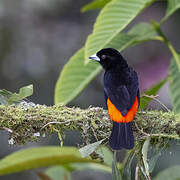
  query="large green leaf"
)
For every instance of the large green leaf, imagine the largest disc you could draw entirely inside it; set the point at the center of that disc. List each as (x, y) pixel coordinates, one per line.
(96, 4)
(171, 173)
(75, 75)
(174, 81)
(74, 78)
(139, 33)
(40, 157)
(113, 18)
(151, 91)
(173, 5)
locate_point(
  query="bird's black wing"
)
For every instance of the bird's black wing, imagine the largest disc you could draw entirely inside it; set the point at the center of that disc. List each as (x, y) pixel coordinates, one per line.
(119, 96)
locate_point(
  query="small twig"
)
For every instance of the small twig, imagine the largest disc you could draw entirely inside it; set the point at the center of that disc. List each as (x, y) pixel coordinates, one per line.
(94, 133)
(10, 131)
(150, 96)
(141, 130)
(157, 100)
(59, 136)
(7, 129)
(55, 122)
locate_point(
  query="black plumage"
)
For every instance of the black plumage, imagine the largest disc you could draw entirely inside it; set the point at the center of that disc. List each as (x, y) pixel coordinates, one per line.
(121, 87)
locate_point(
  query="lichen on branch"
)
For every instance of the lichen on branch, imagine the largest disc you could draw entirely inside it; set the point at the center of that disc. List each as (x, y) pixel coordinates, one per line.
(23, 123)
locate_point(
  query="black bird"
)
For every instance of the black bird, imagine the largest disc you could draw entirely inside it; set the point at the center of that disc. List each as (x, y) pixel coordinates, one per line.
(121, 90)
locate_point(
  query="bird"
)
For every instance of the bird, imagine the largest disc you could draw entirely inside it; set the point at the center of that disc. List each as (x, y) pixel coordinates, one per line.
(122, 96)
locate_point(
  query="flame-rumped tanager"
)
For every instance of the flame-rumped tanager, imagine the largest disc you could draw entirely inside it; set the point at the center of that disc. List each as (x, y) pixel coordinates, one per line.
(121, 90)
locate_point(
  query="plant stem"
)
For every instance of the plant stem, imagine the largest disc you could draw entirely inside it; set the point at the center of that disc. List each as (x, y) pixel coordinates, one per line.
(136, 172)
(167, 42)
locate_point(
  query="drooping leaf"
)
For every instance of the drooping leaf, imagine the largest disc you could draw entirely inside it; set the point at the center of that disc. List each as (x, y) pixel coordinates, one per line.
(58, 172)
(127, 166)
(90, 148)
(75, 75)
(153, 159)
(174, 81)
(4, 96)
(171, 173)
(24, 92)
(96, 4)
(40, 157)
(115, 171)
(173, 5)
(106, 154)
(152, 91)
(113, 18)
(145, 155)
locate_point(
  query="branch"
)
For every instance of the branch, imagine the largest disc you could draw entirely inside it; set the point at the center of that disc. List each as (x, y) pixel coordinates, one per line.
(24, 123)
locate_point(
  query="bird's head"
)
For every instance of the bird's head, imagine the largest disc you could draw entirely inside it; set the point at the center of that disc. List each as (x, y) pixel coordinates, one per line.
(109, 58)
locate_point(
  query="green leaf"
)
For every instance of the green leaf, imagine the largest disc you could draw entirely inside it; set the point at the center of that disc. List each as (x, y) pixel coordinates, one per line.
(90, 148)
(24, 92)
(91, 166)
(127, 166)
(4, 96)
(113, 18)
(143, 32)
(106, 154)
(75, 75)
(173, 5)
(151, 91)
(57, 173)
(115, 171)
(153, 159)
(96, 4)
(139, 33)
(145, 155)
(172, 173)
(40, 157)
(174, 81)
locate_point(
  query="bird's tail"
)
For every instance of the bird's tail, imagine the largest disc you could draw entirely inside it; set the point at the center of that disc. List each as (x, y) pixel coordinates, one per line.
(121, 136)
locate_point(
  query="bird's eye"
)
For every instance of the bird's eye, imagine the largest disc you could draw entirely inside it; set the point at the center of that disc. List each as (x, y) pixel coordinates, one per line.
(103, 57)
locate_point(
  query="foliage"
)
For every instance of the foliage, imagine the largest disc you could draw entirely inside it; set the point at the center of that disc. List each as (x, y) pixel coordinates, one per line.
(77, 74)
(114, 17)
(151, 91)
(8, 98)
(40, 157)
(172, 173)
(174, 81)
(107, 32)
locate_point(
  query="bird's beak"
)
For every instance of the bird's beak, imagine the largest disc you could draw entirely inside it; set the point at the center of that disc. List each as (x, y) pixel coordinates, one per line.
(94, 57)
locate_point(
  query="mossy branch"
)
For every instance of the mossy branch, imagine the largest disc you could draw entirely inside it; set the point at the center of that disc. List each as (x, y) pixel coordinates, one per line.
(23, 122)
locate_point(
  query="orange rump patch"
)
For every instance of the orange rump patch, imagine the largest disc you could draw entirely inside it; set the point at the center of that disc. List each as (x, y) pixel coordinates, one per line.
(115, 114)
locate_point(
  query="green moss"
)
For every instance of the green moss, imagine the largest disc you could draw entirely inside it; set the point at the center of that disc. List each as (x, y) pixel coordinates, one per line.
(91, 122)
